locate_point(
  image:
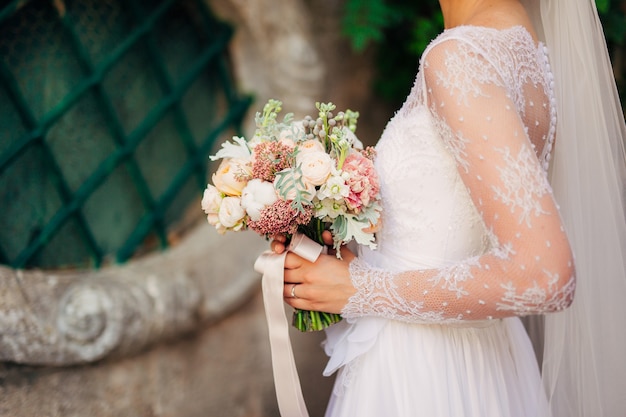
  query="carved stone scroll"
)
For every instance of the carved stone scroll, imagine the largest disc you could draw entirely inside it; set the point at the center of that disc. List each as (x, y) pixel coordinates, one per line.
(64, 318)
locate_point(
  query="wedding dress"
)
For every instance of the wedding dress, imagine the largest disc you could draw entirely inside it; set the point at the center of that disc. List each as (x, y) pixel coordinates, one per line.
(471, 239)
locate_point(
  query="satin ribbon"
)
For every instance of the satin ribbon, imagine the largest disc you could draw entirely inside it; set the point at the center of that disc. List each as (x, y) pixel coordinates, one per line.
(286, 380)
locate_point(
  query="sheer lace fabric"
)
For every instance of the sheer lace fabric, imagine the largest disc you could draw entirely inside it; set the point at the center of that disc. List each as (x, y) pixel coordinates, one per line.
(478, 183)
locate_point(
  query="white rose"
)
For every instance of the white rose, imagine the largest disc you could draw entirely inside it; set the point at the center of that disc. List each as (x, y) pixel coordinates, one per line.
(256, 196)
(211, 200)
(311, 145)
(315, 166)
(214, 220)
(231, 213)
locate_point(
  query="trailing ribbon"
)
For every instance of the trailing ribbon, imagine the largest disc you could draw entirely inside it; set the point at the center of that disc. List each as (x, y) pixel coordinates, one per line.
(286, 380)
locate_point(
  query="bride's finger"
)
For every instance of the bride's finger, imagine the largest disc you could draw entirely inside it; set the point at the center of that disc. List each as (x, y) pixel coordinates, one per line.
(327, 237)
(277, 247)
(293, 291)
(279, 238)
(293, 261)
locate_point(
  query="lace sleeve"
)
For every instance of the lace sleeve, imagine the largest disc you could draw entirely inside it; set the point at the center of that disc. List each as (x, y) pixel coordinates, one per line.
(529, 268)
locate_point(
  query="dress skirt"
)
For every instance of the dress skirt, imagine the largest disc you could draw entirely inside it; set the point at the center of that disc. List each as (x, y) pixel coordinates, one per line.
(473, 369)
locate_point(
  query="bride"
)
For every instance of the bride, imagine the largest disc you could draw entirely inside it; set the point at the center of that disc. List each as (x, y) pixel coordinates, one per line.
(505, 163)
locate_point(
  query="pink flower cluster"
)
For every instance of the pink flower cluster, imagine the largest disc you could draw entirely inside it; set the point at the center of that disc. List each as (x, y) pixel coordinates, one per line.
(270, 158)
(362, 181)
(281, 218)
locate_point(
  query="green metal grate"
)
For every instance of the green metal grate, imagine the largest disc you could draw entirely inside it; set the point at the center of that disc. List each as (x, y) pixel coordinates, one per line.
(108, 110)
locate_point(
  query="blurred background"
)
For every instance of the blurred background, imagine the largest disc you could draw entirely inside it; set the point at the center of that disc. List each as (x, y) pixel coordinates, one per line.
(116, 297)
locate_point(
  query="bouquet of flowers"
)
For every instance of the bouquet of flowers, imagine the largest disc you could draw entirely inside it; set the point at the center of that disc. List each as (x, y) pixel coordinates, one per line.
(302, 176)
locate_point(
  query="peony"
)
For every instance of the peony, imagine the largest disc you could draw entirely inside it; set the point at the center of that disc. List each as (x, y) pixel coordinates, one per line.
(229, 177)
(256, 196)
(362, 180)
(231, 214)
(315, 166)
(211, 200)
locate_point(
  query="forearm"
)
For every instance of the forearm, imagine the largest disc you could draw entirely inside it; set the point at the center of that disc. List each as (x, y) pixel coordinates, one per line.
(479, 288)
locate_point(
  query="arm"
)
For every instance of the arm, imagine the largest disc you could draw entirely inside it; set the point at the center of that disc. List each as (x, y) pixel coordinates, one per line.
(529, 268)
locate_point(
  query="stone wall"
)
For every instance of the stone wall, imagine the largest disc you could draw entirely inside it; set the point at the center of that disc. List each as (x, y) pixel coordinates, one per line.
(222, 369)
(183, 333)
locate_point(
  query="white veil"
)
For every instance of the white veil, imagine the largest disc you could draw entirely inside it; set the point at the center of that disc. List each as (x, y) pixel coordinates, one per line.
(584, 363)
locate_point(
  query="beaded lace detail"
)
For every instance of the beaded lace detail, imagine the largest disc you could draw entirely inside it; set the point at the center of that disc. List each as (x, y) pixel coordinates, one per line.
(470, 227)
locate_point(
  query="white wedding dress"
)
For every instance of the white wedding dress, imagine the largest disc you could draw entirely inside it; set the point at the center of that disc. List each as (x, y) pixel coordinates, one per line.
(470, 239)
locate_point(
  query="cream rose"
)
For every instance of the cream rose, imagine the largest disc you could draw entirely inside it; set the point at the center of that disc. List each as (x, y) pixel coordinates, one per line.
(256, 196)
(231, 213)
(211, 200)
(316, 167)
(311, 145)
(225, 178)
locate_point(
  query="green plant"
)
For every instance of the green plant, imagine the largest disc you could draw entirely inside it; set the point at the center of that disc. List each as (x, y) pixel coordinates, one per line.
(401, 30)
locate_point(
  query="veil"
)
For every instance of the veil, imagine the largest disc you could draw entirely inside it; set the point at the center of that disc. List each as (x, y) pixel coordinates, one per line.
(584, 346)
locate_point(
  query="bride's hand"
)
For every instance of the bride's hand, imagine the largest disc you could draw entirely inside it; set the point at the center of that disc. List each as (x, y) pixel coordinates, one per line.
(324, 285)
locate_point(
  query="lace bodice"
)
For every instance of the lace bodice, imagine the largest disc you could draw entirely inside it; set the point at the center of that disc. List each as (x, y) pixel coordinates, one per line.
(470, 229)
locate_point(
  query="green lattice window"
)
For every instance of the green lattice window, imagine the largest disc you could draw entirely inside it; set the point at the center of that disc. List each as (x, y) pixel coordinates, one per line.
(108, 110)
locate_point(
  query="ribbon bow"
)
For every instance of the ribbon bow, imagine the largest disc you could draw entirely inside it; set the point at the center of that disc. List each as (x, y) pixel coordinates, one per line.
(286, 380)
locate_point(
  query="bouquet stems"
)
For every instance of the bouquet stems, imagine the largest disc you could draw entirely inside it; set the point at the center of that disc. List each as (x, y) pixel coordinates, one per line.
(306, 320)
(310, 321)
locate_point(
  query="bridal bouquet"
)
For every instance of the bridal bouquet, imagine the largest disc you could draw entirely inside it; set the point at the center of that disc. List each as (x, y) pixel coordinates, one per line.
(292, 177)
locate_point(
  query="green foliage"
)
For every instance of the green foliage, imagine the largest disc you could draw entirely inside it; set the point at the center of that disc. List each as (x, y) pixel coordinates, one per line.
(603, 5)
(365, 21)
(401, 30)
(613, 17)
(613, 20)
